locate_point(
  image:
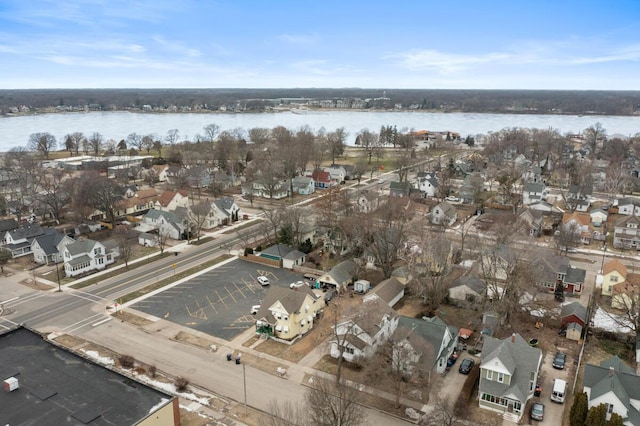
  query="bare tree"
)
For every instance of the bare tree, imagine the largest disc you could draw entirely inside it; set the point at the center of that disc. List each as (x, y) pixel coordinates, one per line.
(259, 135)
(172, 136)
(197, 217)
(162, 239)
(614, 182)
(125, 239)
(285, 414)
(443, 414)
(369, 142)
(336, 142)
(73, 142)
(568, 236)
(211, 132)
(94, 143)
(103, 194)
(594, 135)
(436, 261)
(330, 405)
(53, 191)
(42, 143)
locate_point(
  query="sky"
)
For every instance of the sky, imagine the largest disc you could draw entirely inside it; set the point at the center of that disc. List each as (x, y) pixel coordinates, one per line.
(406, 44)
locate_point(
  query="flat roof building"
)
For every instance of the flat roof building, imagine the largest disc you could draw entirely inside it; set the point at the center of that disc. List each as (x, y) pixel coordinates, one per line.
(46, 384)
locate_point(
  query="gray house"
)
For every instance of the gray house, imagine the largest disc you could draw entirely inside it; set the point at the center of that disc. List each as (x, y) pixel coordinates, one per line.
(49, 248)
(340, 276)
(508, 375)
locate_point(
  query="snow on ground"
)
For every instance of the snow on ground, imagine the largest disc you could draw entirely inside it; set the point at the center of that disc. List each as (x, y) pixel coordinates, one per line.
(611, 322)
(96, 356)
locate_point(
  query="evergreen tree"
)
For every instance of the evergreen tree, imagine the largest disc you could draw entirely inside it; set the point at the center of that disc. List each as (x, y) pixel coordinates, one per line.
(615, 420)
(597, 416)
(578, 413)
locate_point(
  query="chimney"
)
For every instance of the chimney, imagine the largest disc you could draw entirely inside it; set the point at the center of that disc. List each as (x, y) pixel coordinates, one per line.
(11, 384)
(611, 371)
(513, 337)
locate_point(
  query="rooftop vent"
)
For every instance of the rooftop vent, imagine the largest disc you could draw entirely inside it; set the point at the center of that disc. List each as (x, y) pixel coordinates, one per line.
(11, 384)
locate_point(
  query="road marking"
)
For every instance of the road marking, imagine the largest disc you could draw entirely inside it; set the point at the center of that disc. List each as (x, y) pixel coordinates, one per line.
(234, 299)
(9, 300)
(211, 304)
(238, 288)
(101, 322)
(221, 300)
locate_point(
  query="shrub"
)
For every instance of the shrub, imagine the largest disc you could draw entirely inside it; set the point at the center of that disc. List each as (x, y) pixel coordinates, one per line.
(259, 248)
(181, 384)
(126, 361)
(151, 371)
(248, 251)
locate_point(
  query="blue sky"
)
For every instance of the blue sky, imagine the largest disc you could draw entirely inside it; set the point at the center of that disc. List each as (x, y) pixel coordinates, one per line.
(514, 44)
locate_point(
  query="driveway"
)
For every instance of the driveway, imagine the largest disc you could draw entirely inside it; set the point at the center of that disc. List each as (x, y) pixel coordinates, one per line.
(219, 301)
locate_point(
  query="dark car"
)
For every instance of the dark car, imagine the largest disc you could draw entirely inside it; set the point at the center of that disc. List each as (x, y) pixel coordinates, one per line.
(466, 366)
(559, 360)
(537, 411)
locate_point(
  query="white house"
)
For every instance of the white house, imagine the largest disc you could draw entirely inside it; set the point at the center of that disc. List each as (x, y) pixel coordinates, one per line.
(337, 172)
(359, 336)
(18, 241)
(86, 256)
(444, 214)
(598, 217)
(170, 200)
(533, 191)
(368, 201)
(615, 385)
(49, 248)
(303, 185)
(629, 206)
(427, 183)
(223, 211)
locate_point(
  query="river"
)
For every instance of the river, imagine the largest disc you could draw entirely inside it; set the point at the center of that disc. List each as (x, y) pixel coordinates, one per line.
(15, 130)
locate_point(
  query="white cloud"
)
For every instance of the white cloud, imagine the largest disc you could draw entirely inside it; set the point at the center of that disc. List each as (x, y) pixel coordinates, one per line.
(445, 63)
(297, 38)
(177, 47)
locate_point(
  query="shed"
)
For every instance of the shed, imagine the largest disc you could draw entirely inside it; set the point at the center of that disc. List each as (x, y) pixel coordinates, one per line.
(361, 286)
(390, 290)
(573, 312)
(574, 331)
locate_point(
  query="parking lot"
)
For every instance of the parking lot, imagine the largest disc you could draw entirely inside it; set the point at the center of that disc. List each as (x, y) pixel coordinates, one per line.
(217, 302)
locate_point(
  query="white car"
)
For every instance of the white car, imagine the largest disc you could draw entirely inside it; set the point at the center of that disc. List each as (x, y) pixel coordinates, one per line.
(255, 309)
(452, 199)
(298, 284)
(263, 280)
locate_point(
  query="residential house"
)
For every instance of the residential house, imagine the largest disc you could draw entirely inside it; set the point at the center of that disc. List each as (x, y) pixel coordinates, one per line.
(138, 203)
(498, 262)
(322, 179)
(598, 217)
(472, 185)
(287, 255)
(49, 247)
(160, 171)
(444, 214)
(222, 180)
(364, 331)
(86, 256)
(276, 191)
(532, 221)
(626, 234)
(427, 184)
(402, 274)
(18, 241)
(626, 295)
(402, 189)
(580, 224)
(337, 172)
(467, 289)
(222, 211)
(170, 200)
(543, 207)
(303, 185)
(147, 239)
(176, 173)
(532, 174)
(533, 191)
(199, 177)
(508, 375)
(390, 291)
(288, 313)
(553, 272)
(368, 201)
(7, 225)
(628, 206)
(423, 346)
(573, 312)
(613, 273)
(615, 385)
(165, 223)
(340, 276)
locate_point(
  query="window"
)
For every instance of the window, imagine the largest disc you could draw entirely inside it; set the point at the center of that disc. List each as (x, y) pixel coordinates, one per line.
(489, 375)
(501, 377)
(613, 279)
(609, 408)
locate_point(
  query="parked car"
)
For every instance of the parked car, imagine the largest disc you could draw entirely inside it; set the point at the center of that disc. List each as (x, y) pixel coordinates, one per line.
(559, 360)
(538, 390)
(329, 295)
(537, 411)
(263, 280)
(298, 284)
(255, 309)
(466, 366)
(452, 199)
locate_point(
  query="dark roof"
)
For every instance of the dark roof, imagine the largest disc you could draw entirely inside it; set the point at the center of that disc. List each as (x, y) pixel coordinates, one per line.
(290, 299)
(471, 281)
(49, 242)
(8, 225)
(426, 336)
(57, 387)
(574, 308)
(388, 289)
(279, 250)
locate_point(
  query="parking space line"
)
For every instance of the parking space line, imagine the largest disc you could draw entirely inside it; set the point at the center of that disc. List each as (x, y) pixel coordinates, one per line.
(238, 288)
(221, 300)
(198, 313)
(230, 294)
(211, 304)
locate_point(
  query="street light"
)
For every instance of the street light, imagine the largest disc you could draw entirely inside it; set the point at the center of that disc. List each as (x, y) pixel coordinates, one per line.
(604, 253)
(58, 275)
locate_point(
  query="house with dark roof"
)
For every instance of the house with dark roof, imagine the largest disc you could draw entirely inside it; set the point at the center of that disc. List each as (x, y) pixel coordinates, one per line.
(303, 185)
(368, 201)
(18, 241)
(7, 225)
(508, 375)
(402, 189)
(86, 256)
(168, 223)
(288, 313)
(468, 289)
(532, 221)
(340, 276)
(629, 206)
(615, 385)
(49, 248)
(573, 312)
(222, 211)
(426, 183)
(553, 272)
(359, 336)
(533, 191)
(322, 179)
(423, 345)
(289, 256)
(47, 384)
(444, 214)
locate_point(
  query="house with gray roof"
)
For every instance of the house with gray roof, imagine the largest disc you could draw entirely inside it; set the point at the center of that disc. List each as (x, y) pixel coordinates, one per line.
(444, 214)
(533, 191)
(369, 326)
(49, 248)
(18, 241)
(467, 289)
(223, 211)
(426, 183)
(423, 345)
(402, 189)
(508, 375)
(86, 256)
(552, 271)
(169, 223)
(288, 313)
(289, 256)
(390, 291)
(303, 185)
(629, 206)
(340, 276)
(617, 386)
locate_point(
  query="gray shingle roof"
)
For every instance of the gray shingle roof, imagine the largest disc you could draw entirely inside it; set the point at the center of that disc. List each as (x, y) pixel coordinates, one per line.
(49, 242)
(425, 336)
(80, 247)
(291, 300)
(574, 308)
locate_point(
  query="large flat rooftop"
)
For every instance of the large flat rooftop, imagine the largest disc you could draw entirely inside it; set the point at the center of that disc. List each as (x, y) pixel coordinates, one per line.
(58, 387)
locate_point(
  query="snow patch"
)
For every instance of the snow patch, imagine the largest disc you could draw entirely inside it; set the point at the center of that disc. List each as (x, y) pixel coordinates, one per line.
(611, 322)
(96, 356)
